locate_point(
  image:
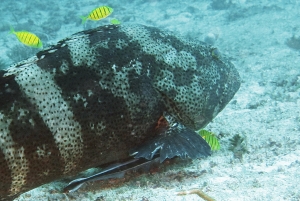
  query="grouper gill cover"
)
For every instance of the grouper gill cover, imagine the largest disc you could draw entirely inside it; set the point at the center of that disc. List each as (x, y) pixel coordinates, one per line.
(104, 95)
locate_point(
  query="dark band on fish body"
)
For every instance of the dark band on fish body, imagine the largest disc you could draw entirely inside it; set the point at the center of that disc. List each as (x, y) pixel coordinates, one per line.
(22, 131)
(55, 58)
(88, 80)
(101, 11)
(106, 11)
(96, 14)
(9, 89)
(97, 109)
(5, 174)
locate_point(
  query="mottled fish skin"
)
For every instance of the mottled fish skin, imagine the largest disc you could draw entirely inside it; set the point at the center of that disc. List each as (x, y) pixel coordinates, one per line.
(91, 98)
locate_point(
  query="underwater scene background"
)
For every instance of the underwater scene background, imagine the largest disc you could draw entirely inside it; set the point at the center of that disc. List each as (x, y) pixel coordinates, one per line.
(258, 131)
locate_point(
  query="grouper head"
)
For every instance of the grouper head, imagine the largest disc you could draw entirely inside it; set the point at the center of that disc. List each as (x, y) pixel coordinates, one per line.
(198, 85)
(194, 79)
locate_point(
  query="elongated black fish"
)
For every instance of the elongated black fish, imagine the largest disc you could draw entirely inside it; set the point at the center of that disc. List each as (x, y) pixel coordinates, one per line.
(105, 95)
(114, 171)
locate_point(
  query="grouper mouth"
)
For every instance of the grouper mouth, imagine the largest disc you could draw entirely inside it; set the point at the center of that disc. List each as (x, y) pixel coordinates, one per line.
(195, 123)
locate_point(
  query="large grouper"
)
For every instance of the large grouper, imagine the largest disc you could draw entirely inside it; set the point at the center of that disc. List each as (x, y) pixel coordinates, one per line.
(105, 95)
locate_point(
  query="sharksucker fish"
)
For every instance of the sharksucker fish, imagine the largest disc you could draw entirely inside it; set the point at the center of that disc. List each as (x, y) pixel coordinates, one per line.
(105, 95)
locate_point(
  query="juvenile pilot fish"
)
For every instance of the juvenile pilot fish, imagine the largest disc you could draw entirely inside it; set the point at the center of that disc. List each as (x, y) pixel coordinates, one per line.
(107, 95)
(27, 38)
(98, 14)
(115, 21)
(211, 139)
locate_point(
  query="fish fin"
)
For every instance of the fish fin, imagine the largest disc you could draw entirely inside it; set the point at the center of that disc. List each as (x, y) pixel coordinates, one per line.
(84, 18)
(40, 44)
(177, 140)
(115, 171)
(74, 185)
(12, 31)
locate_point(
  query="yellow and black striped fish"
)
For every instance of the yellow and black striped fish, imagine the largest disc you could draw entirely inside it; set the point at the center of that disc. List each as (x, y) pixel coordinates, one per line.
(27, 38)
(211, 139)
(98, 13)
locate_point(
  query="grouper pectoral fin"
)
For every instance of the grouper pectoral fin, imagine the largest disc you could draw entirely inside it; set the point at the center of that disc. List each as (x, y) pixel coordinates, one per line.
(177, 140)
